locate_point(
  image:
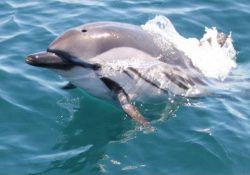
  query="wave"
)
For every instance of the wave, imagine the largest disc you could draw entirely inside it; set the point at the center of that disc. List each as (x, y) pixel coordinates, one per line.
(212, 58)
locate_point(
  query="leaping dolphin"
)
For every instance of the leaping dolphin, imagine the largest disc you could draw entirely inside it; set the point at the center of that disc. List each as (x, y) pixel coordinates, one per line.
(120, 62)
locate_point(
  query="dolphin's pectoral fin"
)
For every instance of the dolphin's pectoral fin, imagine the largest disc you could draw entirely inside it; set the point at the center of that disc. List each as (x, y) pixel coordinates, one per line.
(124, 101)
(69, 85)
(129, 108)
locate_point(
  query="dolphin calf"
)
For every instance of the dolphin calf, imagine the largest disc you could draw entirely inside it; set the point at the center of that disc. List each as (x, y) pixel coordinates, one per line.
(120, 62)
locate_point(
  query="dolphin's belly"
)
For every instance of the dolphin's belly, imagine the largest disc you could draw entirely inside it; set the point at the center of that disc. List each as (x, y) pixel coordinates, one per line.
(143, 76)
(143, 91)
(87, 80)
(137, 88)
(142, 88)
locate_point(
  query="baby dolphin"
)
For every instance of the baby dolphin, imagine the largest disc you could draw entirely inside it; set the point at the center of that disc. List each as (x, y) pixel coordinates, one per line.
(118, 61)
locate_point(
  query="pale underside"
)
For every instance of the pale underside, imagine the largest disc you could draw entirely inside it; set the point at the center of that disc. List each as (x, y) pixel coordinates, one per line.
(142, 76)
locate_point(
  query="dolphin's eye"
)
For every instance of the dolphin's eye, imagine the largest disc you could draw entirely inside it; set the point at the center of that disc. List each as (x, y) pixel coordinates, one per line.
(84, 30)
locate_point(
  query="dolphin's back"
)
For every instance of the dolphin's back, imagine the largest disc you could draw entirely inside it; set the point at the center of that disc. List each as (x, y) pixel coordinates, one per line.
(100, 37)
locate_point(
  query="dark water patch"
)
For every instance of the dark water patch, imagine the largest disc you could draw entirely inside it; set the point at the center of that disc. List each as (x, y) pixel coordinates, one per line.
(81, 133)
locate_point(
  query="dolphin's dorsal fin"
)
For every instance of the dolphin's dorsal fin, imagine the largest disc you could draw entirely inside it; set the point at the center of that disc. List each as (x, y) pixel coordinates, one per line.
(69, 85)
(124, 101)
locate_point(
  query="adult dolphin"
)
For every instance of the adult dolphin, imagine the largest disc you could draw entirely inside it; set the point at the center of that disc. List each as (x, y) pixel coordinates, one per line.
(118, 61)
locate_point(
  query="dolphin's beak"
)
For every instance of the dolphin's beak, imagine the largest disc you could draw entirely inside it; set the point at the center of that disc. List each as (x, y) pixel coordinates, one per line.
(47, 60)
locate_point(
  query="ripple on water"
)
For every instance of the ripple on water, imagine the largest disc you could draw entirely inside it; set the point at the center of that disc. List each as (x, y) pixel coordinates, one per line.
(61, 155)
(16, 5)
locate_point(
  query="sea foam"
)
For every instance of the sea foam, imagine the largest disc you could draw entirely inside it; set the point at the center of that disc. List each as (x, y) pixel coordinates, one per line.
(206, 54)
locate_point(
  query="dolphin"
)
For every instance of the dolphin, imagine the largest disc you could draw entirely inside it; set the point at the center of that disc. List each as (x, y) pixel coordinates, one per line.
(119, 62)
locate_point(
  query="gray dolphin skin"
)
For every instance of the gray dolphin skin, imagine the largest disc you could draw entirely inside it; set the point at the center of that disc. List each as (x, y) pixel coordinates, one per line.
(119, 62)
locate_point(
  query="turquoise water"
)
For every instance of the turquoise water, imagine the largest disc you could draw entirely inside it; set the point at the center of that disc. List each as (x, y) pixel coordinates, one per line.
(47, 130)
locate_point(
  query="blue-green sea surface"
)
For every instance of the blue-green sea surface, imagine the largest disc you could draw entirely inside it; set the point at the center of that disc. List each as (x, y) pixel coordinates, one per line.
(47, 130)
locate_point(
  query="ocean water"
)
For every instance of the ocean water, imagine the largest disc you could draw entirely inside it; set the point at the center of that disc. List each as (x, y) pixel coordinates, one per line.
(47, 130)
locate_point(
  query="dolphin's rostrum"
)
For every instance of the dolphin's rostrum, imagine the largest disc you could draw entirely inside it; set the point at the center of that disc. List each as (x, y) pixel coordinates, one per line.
(118, 61)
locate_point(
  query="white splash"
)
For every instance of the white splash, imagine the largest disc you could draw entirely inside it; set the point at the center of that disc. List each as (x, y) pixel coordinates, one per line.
(207, 54)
